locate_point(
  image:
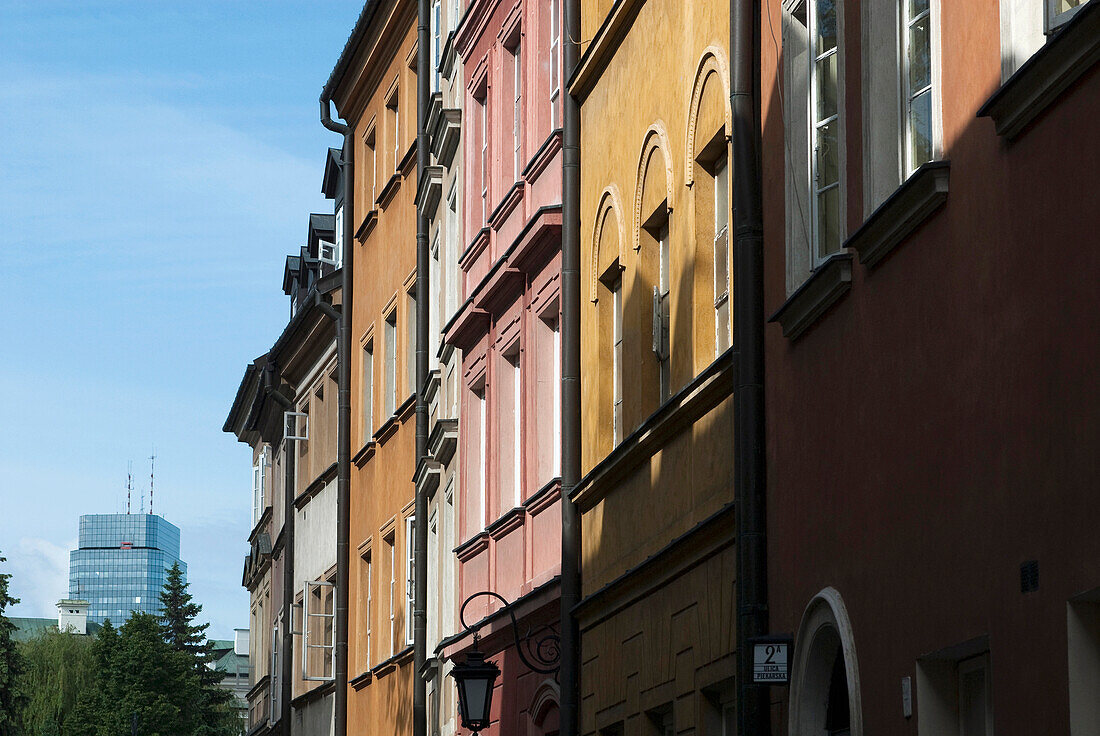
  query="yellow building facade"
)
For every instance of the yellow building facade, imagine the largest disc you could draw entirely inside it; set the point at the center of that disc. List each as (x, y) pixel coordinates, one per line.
(657, 615)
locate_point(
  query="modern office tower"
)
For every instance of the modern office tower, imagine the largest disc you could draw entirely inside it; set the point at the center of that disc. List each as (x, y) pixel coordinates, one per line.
(121, 563)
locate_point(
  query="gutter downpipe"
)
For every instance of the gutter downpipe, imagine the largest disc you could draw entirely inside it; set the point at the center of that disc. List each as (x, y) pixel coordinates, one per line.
(420, 522)
(570, 378)
(750, 488)
(343, 433)
(286, 646)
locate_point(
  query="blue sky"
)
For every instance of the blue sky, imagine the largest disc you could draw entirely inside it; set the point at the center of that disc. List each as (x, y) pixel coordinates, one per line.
(157, 162)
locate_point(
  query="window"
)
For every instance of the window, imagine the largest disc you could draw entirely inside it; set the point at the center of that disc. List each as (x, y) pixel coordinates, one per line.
(484, 131)
(391, 363)
(436, 44)
(916, 82)
(410, 577)
(1060, 11)
(482, 448)
(661, 314)
(517, 113)
(435, 286)
(509, 405)
(825, 128)
(721, 257)
(617, 361)
(318, 642)
(391, 553)
(370, 143)
(365, 595)
(556, 452)
(410, 340)
(368, 391)
(259, 483)
(395, 127)
(276, 667)
(555, 62)
(450, 260)
(333, 253)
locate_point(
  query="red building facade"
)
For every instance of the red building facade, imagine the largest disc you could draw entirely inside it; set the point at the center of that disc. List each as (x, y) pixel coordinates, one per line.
(509, 514)
(932, 412)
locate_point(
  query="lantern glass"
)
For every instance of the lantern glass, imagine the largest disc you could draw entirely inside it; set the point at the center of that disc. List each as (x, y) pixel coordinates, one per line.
(474, 679)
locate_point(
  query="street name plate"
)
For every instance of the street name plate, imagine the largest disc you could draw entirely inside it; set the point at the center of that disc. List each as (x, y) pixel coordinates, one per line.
(770, 659)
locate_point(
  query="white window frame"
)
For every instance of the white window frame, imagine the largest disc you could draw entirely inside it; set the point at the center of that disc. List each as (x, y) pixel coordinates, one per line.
(517, 114)
(276, 668)
(485, 157)
(391, 542)
(908, 94)
(296, 425)
(410, 577)
(437, 32)
(556, 325)
(333, 253)
(721, 256)
(307, 644)
(815, 124)
(369, 559)
(390, 358)
(516, 369)
(450, 259)
(482, 397)
(259, 473)
(410, 339)
(555, 62)
(368, 391)
(617, 361)
(1054, 19)
(662, 317)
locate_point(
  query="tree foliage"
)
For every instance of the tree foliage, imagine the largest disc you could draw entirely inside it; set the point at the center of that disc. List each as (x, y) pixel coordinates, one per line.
(58, 667)
(11, 665)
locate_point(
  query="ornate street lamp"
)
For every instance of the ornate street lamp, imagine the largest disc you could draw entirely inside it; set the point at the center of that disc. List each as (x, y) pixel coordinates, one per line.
(475, 678)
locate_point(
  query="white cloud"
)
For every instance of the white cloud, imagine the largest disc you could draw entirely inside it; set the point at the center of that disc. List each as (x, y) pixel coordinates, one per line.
(40, 576)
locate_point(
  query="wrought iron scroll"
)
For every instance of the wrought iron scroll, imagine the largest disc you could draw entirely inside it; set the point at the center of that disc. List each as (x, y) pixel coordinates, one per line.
(539, 648)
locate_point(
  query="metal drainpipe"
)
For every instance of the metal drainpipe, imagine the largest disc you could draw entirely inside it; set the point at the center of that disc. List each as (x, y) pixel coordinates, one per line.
(748, 288)
(343, 432)
(286, 645)
(420, 523)
(570, 378)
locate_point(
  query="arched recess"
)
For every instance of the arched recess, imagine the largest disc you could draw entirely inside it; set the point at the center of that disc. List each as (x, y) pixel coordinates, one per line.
(710, 98)
(544, 709)
(607, 237)
(824, 667)
(656, 142)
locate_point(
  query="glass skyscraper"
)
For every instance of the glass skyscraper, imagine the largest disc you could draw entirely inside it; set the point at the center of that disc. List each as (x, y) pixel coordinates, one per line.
(121, 564)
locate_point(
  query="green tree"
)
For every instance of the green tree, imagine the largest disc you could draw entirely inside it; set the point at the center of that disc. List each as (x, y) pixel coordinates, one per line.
(58, 668)
(11, 665)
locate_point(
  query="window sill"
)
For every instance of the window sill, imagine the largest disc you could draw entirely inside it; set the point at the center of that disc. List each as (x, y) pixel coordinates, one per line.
(388, 191)
(1036, 85)
(902, 213)
(365, 227)
(387, 666)
(826, 285)
(361, 681)
(365, 453)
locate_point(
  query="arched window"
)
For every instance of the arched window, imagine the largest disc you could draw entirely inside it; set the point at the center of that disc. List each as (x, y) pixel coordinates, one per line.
(825, 697)
(709, 130)
(656, 268)
(607, 294)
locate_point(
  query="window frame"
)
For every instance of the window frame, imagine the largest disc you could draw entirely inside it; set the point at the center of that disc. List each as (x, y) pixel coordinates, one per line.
(1053, 20)
(367, 391)
(662, 311)
(722, 337)
(517, 114)
(815, 125)
(908, 95)
(411, 308)
(410, 576)
(390, 363)
(616, 288)
(555, 62)
(307, 596)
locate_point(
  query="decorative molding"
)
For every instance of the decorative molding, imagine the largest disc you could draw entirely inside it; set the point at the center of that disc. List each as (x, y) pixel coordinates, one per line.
(902, 213)
(365, 227)
(443, 440)
(388, 191)
(326, 476)
(508, 203)
(597, 56)
(541, 158)
(655, 137)
(1066, 56)
(365, 453)
(431, 190)
(713, 60)
(609, 200)
(827, 284)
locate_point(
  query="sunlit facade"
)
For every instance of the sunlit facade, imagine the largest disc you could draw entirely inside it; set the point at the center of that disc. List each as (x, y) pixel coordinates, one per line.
(121, 563)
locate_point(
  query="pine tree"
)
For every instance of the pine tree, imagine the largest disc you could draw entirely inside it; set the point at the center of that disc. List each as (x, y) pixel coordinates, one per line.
(11, 665)
(179, 630)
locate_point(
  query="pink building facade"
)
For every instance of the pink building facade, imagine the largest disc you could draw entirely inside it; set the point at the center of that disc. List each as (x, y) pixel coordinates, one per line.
(508, 331)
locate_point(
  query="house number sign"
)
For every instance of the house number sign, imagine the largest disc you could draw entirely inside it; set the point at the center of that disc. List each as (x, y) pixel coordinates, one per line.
(770, 660)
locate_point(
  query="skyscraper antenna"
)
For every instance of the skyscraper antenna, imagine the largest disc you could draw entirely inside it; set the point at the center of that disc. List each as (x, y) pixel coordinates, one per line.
(129, 483)
(152, 466)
